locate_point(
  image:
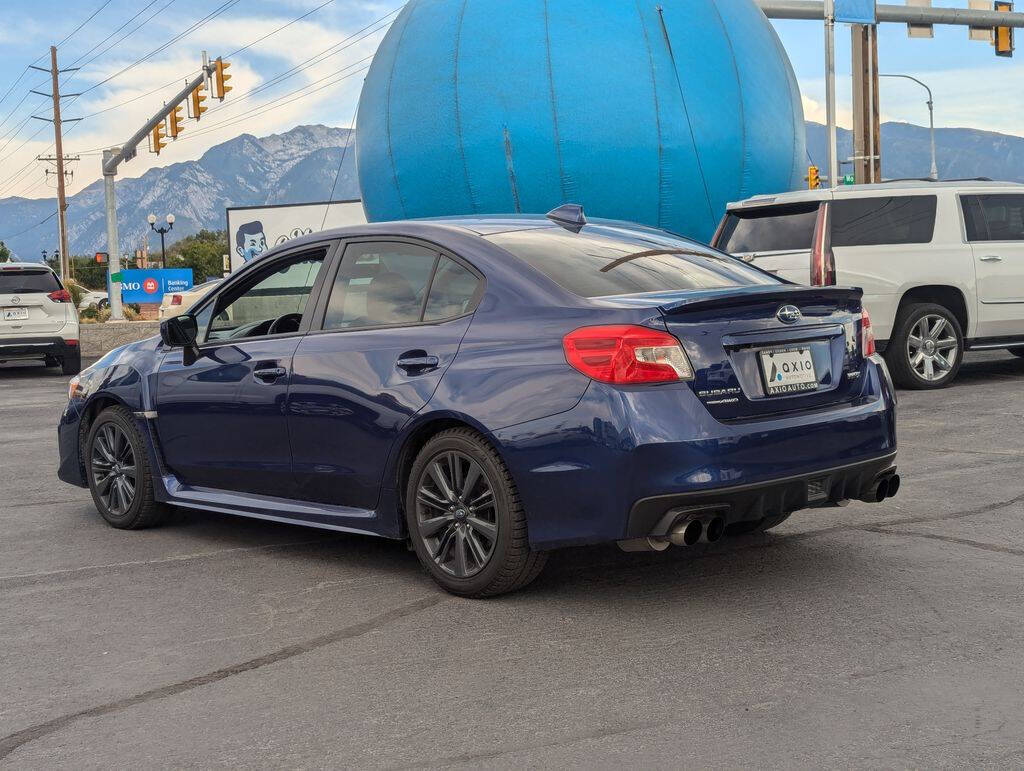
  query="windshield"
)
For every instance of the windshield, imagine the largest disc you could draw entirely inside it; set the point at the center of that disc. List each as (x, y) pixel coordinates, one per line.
(607, 261)
(27, 281)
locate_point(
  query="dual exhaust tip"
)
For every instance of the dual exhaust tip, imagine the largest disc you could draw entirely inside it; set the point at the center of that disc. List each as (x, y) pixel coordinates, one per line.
(685, 532)
(884, 487)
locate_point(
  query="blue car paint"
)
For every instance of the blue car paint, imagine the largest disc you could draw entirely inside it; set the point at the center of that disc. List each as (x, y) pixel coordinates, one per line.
(581, 452)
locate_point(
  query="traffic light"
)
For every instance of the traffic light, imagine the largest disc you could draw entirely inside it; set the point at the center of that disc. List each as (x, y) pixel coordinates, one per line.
(198, 97)
(1003, 36)
(159, 138)
(176, 120)
(220, 79)
(101, 257)
(813, 178)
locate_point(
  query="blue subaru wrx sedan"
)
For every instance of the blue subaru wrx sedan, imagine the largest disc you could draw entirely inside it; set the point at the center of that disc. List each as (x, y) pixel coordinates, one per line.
(492, 389)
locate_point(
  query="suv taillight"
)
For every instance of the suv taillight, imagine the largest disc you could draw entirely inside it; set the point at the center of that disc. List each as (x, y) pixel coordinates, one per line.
(60, 296)
(823, 261)
(627, 355)
(175, 299)
(867, 335)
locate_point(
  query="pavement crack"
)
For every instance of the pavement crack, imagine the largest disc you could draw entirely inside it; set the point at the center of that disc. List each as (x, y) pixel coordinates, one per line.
(948, 539)
(12, 742)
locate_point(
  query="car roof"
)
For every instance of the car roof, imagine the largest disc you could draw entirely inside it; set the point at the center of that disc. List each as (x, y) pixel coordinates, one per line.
(33, 265)
(891, 187)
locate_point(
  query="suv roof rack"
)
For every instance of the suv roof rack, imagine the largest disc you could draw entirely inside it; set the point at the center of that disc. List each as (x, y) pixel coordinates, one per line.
(929, 179)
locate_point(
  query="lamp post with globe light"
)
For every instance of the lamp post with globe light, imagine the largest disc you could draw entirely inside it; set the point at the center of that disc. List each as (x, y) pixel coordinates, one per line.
(163, 231)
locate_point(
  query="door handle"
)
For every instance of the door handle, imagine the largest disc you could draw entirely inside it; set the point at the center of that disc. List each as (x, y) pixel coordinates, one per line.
(991, 258)
(417, 362)
(269, 374)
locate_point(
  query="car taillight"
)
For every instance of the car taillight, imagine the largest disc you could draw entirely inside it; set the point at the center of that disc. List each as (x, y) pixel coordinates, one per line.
(60, 296)
(823, 261)
(625, 354)
(175, 299)
(867, 335)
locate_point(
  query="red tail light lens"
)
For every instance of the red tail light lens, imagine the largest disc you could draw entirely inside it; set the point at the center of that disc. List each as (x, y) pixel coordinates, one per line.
(60, 296)
(867, 335)
(175, 299)
(823, 261)
(627, 355)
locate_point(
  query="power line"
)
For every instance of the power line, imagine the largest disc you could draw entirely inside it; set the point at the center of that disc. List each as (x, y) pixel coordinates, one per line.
(125, 24)
(76, 29)
(32, 227)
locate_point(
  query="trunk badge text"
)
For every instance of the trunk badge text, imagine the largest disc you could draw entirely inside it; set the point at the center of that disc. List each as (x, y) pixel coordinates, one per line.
(789, 314)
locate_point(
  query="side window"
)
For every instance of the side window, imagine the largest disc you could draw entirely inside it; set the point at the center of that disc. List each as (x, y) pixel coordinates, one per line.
(452, 291)
(272, 303)
(994, 217)
(380, 284)
(907, 219)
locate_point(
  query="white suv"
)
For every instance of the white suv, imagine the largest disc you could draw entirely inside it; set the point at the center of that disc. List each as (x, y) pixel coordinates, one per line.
(941, 263)
(37, 318)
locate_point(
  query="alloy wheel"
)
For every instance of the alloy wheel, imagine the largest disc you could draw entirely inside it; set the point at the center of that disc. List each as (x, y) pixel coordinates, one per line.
(932, 347)
(114, 469)
(456, 514)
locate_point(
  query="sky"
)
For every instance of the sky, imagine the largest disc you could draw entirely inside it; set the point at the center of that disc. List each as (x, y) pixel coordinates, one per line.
(135, 54)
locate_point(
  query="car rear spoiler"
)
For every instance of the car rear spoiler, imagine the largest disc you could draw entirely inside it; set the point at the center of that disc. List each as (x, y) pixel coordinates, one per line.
(739, 296)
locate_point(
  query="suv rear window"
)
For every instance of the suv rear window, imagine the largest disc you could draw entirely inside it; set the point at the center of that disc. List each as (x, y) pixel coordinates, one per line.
(601, 262)
(786, 228)
(26, 281)
(904, 219)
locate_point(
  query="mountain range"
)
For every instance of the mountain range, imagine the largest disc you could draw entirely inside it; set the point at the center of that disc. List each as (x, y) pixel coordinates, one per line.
(300, 165)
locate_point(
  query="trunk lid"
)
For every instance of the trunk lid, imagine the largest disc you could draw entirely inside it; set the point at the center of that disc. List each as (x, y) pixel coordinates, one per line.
(25, 306)
(764, 350)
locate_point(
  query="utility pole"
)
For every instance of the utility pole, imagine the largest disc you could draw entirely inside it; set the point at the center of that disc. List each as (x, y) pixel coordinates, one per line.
(867, 130)
(830, 92)
(62, 204)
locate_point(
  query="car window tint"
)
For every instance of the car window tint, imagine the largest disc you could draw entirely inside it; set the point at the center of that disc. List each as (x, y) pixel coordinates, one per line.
(380, 284)
(249, 311)
(906, 219)
(27, 281)
(452, 291)
(770, 228)
(994, 217)
(606, 261)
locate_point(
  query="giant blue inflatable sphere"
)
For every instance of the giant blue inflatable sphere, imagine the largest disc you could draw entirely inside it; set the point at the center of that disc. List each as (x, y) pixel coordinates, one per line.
(655, 111)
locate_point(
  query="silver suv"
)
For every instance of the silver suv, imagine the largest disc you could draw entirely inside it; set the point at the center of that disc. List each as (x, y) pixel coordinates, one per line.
(38, 320)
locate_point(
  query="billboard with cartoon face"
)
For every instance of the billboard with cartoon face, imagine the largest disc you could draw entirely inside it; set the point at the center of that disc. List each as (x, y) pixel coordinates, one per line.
(253, 230)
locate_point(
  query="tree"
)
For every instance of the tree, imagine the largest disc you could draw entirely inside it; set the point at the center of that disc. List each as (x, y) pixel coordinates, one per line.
(203, 252)
(5, 253)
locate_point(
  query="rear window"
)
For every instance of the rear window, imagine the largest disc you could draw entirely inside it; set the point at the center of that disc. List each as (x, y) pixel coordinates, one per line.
(907, 219)
(602, 262)
(27, 281)
(787, 228)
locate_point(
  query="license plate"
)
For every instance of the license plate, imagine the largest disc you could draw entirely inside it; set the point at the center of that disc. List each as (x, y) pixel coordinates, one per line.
(15, 314)
(788, 371)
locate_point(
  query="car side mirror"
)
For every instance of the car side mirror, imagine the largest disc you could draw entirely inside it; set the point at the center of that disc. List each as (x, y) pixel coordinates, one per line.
(181, 332)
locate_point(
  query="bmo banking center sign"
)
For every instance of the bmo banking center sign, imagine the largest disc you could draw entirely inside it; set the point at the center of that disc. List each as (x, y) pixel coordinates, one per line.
(150, 286)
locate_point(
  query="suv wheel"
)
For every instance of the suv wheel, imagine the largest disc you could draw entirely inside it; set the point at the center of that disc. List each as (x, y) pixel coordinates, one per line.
(465, 519)
(117, 467)
(71, 364)
(926, 348)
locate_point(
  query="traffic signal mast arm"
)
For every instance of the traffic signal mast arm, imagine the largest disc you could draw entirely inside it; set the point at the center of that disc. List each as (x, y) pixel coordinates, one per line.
(127, 150)
(904, 14)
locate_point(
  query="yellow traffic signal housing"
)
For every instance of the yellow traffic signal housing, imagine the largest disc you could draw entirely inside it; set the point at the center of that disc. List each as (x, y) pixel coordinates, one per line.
(176, 121)
(159, 138)
(220, 79)
(813, 178)
(197, 98)
(1003, 36)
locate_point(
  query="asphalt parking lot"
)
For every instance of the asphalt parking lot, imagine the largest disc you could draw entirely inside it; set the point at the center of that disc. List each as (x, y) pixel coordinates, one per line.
(873, 635)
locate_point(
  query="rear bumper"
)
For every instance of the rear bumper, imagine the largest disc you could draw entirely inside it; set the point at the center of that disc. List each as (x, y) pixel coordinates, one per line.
(655, 515)
(622, 458)
(37, 347)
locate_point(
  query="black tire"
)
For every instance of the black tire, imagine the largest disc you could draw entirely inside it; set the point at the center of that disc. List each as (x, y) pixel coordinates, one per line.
(51, 361)
(71, 364)
(510, 564)
(774, 521)
(898, 352)
(1019, 352)
(142, 511)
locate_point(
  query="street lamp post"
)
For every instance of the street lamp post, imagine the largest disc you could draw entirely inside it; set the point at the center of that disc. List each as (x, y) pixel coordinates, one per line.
(934, 175)
(163, 231)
